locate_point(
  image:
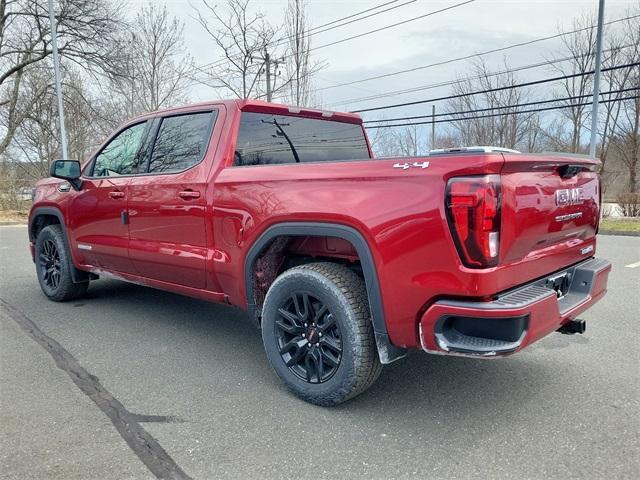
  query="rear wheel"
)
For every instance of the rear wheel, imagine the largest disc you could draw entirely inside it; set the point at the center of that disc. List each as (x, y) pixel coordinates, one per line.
(317, 333)
(53, 266)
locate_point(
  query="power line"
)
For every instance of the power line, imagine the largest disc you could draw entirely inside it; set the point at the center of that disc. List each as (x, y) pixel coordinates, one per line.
(369, 32)
(375, 7)
(467, 57)
(462, 80)
(376, 30)
(496, 89)
(503, 107)
(535, 110)
(312, 31)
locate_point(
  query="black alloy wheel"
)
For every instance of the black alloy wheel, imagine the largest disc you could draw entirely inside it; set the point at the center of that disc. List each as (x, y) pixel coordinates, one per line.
(317, 333)
(308, 337)
(54, 266)
(49, 259)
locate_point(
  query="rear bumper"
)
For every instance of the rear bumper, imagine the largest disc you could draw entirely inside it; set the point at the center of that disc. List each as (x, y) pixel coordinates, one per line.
(516, 318)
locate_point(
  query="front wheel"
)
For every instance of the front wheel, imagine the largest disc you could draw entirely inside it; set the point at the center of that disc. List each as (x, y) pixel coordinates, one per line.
(317, 333)
(53, 266)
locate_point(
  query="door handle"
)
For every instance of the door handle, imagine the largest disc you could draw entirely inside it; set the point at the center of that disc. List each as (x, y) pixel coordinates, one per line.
(116, 194)
(189, 194)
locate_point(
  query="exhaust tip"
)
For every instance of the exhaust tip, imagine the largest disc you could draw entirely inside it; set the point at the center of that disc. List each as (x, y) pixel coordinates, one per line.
(573, 326)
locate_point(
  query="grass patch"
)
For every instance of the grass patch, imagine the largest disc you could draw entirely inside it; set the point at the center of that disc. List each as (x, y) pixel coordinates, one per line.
(620, 224)
(14, 216)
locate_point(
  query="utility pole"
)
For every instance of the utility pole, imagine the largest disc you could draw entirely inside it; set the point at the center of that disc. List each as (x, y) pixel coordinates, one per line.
(132, 75)
(282, 133)
(433, 127)
(267, 67)
(268, 64)
(596, 82)
(56, 70)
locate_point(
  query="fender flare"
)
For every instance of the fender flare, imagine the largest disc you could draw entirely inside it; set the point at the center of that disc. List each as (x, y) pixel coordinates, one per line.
(46, 211)
(77, 275)
(386, 350)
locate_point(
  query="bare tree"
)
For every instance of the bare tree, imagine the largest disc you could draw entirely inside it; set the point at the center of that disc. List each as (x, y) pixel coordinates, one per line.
(243, 38)
(383, 142)
(398, 142)
(580, 46)
(86, 33)
(620, 122)
(626, 141)
(446, 139)
(622, 48)
(299, 65)
(86, 120)
(410, 141)
(155, 72)
(499, 123)
(36, 141)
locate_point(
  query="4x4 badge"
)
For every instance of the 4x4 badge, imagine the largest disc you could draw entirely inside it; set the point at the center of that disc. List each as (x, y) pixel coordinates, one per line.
(406, 165)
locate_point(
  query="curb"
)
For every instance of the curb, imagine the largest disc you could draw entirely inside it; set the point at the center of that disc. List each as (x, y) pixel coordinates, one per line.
(619, 233)
(12, 224)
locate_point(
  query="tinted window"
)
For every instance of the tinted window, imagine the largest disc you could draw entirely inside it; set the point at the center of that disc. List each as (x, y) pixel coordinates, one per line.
(120, 156)
(270, 139)
(181, 142)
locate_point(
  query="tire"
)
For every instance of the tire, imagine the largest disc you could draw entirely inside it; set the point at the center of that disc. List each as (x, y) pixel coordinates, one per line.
(334, 357)
(53, 266)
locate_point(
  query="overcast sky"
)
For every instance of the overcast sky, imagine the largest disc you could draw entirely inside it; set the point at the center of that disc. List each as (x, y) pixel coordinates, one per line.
(465, 30)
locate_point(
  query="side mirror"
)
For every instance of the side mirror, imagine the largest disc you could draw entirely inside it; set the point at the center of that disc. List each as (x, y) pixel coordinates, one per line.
(68, 170)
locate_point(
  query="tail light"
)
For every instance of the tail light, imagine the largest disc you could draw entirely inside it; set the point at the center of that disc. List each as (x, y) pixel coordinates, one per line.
(473, 211)
(599, 215)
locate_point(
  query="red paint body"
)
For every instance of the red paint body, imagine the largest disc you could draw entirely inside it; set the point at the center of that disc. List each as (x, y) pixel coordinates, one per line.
(197, 244)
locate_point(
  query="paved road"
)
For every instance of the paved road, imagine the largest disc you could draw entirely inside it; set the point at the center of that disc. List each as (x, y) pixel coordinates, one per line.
(568, 407)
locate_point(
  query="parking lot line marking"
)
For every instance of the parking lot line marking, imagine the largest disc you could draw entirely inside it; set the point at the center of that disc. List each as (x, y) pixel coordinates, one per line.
(633, 265)
(145, 446)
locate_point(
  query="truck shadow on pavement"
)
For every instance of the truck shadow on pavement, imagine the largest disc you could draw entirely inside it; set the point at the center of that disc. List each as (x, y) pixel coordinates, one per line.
(222, 342)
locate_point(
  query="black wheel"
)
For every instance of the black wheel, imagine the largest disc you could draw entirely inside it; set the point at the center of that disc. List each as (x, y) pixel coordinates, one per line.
(53, 266)
(317, 333)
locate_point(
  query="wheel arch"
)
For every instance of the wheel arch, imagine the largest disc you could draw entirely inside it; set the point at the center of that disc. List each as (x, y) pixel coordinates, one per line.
(386, 350)
(78, 276)
(40, 212)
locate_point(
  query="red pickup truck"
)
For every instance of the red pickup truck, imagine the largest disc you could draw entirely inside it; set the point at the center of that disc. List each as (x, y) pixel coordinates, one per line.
(342, 260)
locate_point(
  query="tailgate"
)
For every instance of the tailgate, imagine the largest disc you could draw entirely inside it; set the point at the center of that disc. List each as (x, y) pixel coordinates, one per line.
(549, 204)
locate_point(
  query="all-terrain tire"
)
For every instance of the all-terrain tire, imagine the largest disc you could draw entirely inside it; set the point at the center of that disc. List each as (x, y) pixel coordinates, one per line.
(344, 294)
(54, 265)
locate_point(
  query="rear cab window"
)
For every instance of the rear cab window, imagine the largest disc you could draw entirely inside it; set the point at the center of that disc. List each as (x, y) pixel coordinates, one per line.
(269, 139)
(181, 142)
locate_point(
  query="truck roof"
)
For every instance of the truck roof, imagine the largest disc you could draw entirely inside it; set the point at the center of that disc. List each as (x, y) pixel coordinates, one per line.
(260, 106)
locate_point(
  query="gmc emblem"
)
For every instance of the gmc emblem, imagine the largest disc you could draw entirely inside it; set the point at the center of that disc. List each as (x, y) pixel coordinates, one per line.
(569, 196)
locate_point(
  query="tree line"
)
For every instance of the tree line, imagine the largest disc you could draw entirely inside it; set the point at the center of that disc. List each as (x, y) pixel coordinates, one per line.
(564, 124)
(116, 66)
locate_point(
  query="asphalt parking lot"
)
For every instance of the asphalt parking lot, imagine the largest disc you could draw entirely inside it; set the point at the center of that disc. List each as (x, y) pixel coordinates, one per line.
(185, 384)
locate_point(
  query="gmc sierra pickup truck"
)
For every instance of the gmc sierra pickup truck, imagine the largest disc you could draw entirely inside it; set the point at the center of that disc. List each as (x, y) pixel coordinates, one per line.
(343, 261)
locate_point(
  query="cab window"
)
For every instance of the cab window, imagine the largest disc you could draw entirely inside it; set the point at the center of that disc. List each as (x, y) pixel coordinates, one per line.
(266, 139)
(120, 156)
(181, 142)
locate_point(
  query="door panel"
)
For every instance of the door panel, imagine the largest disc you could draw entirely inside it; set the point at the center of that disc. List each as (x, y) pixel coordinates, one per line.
(167, 232)
(100, 237)
(167, 208)
(99, 232)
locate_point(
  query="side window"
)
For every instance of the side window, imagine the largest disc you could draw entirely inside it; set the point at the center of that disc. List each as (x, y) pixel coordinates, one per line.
(181, 142)
(120, 156)
(267, 139)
